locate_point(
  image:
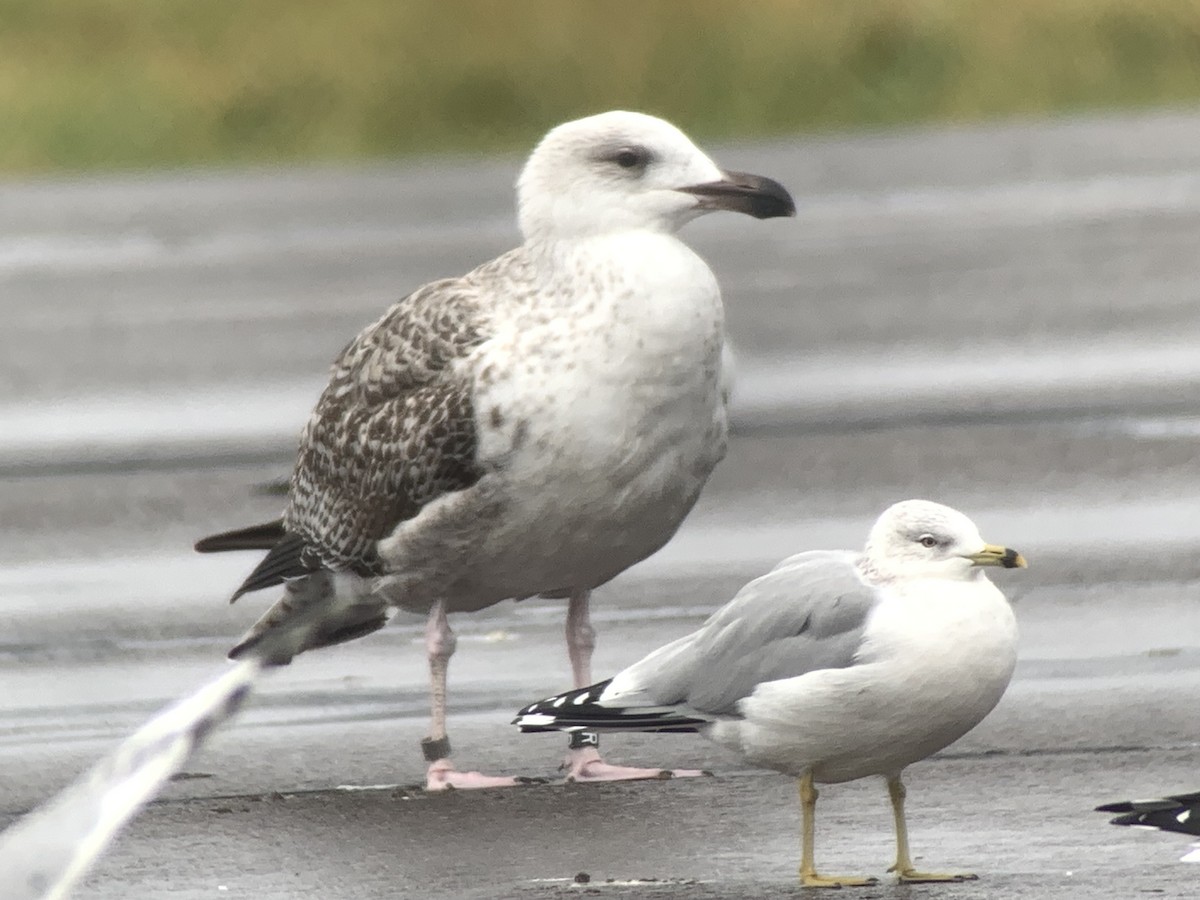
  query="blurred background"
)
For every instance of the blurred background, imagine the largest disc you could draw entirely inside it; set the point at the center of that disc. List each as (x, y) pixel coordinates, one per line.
(990, 297)
(130, 84)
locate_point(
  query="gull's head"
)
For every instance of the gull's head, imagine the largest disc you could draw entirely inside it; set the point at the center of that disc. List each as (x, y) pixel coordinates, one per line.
(621, 171)
(920, 539)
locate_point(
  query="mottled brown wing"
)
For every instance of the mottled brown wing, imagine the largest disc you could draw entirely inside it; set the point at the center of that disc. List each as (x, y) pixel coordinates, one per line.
(393, 430)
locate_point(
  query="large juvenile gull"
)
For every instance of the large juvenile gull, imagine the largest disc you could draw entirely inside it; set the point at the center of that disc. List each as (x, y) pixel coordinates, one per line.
(534, 427)
(833, 666)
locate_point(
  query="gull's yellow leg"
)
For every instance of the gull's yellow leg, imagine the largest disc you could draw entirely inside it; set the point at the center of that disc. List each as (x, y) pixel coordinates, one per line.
(904, 866)
(808, 870)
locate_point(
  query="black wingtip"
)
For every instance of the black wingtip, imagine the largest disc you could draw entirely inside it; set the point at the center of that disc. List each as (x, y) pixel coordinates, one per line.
(1179, 813)
(580, 709)
(284, 561)
(254, 537)
(277, 488)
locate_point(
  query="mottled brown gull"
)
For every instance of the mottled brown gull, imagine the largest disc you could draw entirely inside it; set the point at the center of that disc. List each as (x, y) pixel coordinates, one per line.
(834, 666)
(534, 427)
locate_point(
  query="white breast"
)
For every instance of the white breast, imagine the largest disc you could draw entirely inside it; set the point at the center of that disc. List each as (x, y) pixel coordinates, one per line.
(612, 414)
(936, 659)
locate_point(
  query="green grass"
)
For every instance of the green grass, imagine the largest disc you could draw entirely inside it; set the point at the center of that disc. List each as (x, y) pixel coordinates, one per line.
(102, 84)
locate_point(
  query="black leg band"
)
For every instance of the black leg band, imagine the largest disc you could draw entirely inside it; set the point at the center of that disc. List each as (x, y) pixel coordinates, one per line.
(581, 739)
(435, 749)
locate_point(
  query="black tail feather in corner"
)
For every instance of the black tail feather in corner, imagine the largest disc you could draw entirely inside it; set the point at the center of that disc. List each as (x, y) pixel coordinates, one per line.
(1179, 813)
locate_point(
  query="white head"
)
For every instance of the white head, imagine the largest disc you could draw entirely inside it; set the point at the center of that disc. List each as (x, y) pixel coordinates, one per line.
(917, 538)
(621, 171)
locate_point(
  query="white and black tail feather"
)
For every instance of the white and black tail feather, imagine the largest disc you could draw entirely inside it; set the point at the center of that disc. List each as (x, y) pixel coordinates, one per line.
(1179, 813)
(584, 710)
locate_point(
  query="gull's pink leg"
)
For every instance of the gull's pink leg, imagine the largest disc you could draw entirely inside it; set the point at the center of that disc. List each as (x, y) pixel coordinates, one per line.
(583, 762)
(439, 645)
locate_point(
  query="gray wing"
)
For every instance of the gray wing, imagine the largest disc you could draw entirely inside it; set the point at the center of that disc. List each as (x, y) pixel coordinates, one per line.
(808, 613)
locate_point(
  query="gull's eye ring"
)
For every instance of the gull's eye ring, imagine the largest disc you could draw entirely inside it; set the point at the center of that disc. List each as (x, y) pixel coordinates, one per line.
(928, 541)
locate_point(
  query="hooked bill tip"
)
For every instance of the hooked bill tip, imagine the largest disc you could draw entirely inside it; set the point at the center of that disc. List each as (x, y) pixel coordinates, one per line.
(1012, 559)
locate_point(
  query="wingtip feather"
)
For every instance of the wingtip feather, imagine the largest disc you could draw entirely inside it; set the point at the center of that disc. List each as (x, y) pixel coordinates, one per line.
(263, 536)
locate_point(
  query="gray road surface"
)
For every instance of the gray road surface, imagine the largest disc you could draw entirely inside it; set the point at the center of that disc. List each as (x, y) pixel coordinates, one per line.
(1006, 319)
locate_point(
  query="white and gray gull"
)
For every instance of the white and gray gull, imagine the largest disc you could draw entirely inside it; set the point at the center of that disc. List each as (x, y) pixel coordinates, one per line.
(834, 666)
(534, 427)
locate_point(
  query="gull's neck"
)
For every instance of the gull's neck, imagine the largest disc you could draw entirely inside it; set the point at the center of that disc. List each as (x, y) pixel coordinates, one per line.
(539, 243)
(596, 227)
(872, 571)
(624, 250)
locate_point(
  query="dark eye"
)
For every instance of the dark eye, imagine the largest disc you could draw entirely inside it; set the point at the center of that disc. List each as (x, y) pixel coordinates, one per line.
(631, 157)
(927, 540)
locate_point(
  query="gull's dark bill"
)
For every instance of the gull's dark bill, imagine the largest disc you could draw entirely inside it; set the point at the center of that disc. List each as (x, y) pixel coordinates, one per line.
(754, 195)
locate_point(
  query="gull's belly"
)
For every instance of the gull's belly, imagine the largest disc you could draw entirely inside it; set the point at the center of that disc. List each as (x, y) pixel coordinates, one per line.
(594, 480)
(877, 718)
(604, 435)
(582, 510)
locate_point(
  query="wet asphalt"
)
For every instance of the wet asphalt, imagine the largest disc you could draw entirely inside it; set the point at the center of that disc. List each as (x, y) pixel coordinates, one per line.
(1002, 318)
